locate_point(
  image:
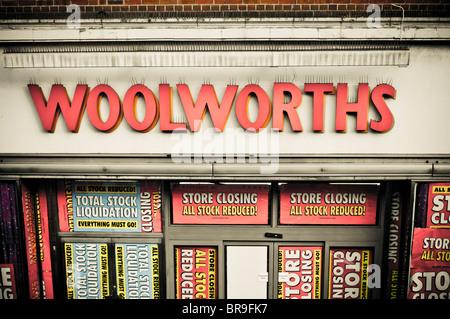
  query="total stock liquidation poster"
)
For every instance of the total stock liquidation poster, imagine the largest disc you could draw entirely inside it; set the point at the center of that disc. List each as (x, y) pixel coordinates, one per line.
(137, 271)
(299, 272)
(196, 272)
(87, 273)
(327, 204)
(220, 204)
(109, 206)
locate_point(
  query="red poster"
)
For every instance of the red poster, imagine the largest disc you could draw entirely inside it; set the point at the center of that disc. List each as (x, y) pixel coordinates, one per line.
(151, 202)
(312, 204)
(438, 212)
(44, 243)
(196, 272)
(31, 243)
(430, 283)
(349, 273)
(299, 272)
(430, 248)
(7, 282)
(109, 206)
(65, 205)
(220, 204)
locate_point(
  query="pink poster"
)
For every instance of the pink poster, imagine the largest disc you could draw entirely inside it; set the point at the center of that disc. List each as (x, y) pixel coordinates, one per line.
(220, 204)
(325, 204)
(438, 212)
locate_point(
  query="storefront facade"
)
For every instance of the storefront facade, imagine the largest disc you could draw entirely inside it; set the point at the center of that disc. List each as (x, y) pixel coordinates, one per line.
(223, 158)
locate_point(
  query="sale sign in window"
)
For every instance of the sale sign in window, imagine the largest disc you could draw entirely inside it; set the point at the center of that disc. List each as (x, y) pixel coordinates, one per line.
(7, 282)
(137, 271)
(87, 273)
(196, 272)
(87, 206)
(438, 215)
(430, 264)
(299, 272)
(348, 276)
(327, 204)
(220, 204)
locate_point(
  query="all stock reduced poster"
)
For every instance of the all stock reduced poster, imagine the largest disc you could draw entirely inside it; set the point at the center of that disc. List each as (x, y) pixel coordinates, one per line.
(327, 204)
(137, 271)
(109, 206)
(348, 276)
(220, 204)
(87, 274)
(430, 264)
(438, 211)
(196, 272)
(299, 272)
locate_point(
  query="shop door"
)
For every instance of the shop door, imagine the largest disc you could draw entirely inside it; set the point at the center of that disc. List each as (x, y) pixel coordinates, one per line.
(274, 270)
(247, 274)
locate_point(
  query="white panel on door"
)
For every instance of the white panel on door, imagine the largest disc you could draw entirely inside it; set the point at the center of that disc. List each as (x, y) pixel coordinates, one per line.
(247, 272)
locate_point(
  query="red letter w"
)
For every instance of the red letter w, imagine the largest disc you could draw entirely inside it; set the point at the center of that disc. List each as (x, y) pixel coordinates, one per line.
(207, 99)
(59, 101)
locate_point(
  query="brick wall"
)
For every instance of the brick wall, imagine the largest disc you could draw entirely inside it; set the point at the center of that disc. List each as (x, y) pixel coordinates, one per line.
(220, 8)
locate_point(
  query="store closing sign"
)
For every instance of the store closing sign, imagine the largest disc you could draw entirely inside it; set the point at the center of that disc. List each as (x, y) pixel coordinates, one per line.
(220, 204)
(438, 205)
(299, 272)
(7, 282)
(430, 264)
(348, 277)
(431, 248)
(328, 204)
(430, 283)
(89, 99)
(196, 272)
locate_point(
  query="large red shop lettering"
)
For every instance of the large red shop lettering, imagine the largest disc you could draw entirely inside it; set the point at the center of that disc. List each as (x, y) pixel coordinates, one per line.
(73, 111)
